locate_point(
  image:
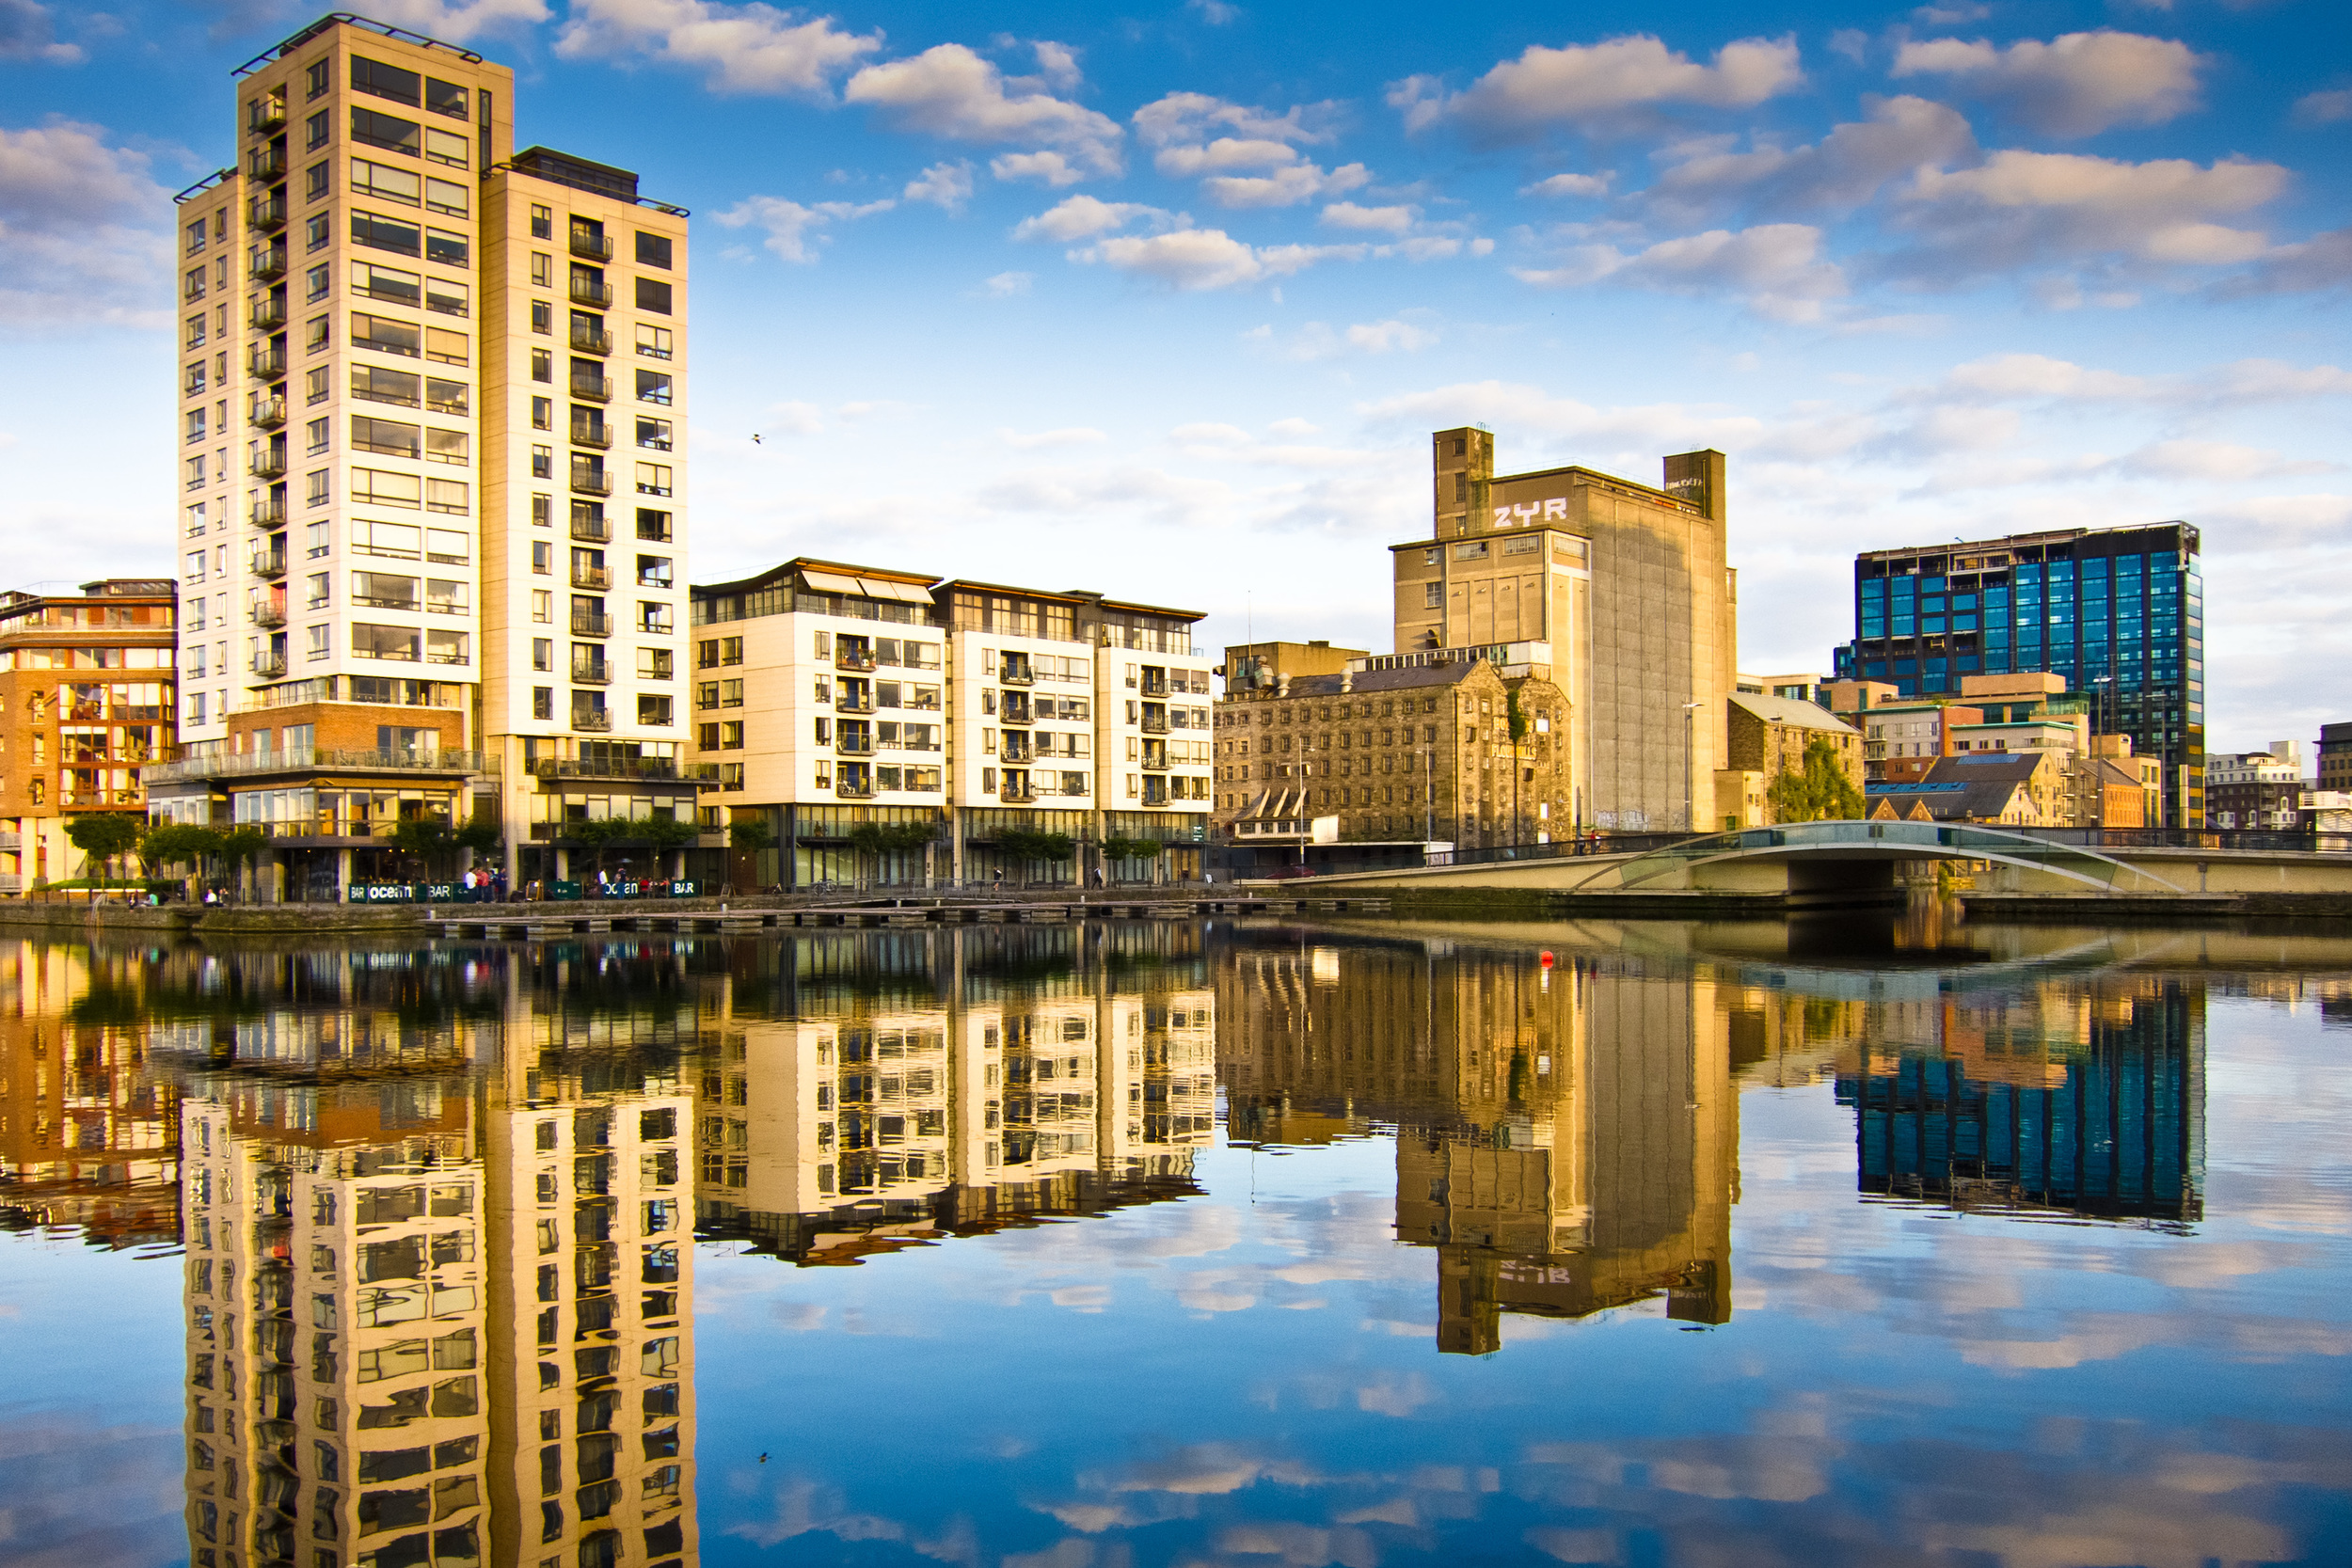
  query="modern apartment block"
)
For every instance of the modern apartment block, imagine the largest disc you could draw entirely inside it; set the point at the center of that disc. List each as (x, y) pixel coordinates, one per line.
(2117, 615)
(431, 487)
(1618, 593)
(2258, 790)
(829, 696)
(87, 709)
(2335, 758)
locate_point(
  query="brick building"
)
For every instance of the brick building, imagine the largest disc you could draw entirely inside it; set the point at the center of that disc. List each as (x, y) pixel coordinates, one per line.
(1418, 753)
(1767, 736)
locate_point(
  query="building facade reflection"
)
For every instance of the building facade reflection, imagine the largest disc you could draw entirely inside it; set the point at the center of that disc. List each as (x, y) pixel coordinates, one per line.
(1566, 1137)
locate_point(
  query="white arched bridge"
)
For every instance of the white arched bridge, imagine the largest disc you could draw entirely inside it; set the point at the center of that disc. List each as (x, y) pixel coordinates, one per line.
(1843, 861)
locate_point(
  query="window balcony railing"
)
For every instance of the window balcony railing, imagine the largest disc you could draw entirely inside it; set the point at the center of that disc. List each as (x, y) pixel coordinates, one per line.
(270, 566)
(266, 362)
(592, 675)
(293, 758)
(1154, 726)
(269, 463)
(595, 246)
(854, 705)
(591, 433)
(271, 513)
(653, 579)
(1154, 765)
(269, 666)
(266, 114)
(1017, 753)
(1018, 794)
(598, 719)
(268, 264)
(854, 745)
(268, 315)
(1020, 715)
(1154, 688)
(618, 767)
(266, 213)
(592, 531)
(596, 388)
(1017, 675)
(592, 577)
(588, 340)
(585, 625)
(589, 481)
(854, 789)
(266, 164)
(269, 413)
(851, 659)
(587, 290)
(272, 615)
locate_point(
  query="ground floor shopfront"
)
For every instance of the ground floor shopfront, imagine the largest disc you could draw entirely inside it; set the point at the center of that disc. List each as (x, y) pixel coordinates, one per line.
(835, 845)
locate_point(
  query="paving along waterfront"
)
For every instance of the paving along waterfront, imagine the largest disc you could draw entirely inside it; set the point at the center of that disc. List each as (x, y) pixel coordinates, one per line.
(1870, 1238)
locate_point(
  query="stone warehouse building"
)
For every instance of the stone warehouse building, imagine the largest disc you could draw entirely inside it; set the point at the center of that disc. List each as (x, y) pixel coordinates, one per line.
(1767, 736)
(1420, 751)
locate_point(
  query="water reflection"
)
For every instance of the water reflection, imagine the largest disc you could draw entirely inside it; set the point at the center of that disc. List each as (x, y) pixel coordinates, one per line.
(438, 1210)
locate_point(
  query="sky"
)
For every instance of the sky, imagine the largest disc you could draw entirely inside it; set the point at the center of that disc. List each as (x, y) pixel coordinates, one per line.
(1164, 302)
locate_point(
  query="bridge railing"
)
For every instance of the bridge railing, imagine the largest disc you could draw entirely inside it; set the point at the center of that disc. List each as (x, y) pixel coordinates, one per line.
(1566, 848)
(1936, 840)
(2219, 839)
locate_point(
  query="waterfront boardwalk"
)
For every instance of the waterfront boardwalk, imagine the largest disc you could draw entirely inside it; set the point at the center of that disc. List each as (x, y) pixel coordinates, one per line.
(538, 921)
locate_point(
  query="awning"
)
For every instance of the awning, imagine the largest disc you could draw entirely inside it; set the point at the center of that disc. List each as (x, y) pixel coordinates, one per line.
(905, 593)
(832, 582)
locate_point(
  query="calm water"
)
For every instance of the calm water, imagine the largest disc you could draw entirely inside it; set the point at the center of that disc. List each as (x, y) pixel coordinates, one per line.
(1131, 1245)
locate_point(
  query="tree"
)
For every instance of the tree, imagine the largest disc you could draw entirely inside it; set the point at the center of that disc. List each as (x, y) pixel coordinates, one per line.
(1131, 848)
(663, 833)
(1024, 846)
(484, 835)
(752, 833)
(1820, 793)
(1517, 720)
(177, 844)
(884, 838)
(242, 846)
(103, 838)
(425, 838)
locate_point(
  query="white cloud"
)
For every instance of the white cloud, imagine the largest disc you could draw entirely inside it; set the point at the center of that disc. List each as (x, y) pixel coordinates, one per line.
(1777, 268)
(1069, 435)
(2019, 208)
(1081, 218)
(74, 249)
(1051, 167)
(1319, 341)
(28, 33)
(1217, 13)
(1852, 42)
(948, 187)
(2324, 108)
(795, 231)
(1386, 220)
(1056, 65)
(1570, 184)
(2076, 84)
(752, 48)
(1190, 117)
(1007, 284)
(1592, 84)
(1223, 155)
(1200, 259)
(2036, 378)
(949, 91)
(2321, 262)
(1284, 187)
(459, 20)
(1846, 168)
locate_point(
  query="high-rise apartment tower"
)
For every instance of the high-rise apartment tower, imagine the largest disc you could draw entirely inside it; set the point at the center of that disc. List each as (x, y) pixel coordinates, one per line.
(431, 391)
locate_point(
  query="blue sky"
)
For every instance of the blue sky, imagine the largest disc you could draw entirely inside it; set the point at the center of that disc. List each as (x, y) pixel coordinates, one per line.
(1165, 301)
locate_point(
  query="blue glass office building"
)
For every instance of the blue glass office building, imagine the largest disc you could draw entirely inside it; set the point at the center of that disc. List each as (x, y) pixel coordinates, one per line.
(2117, 613)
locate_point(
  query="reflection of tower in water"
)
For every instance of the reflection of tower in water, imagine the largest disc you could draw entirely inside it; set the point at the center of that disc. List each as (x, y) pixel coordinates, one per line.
(436, 1294)
(1565, 1139)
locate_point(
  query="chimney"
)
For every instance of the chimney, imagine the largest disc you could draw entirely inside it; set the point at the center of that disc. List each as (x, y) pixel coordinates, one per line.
(1348, 682)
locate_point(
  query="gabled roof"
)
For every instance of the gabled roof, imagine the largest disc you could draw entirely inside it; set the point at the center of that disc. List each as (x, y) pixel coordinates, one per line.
(1793, 712)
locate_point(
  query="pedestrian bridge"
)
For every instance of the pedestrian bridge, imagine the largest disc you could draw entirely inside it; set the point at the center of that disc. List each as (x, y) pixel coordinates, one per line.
(1845, 861)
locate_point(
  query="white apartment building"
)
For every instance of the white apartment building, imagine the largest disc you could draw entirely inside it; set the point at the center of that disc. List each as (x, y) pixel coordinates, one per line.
(431, 507)
(831, 699)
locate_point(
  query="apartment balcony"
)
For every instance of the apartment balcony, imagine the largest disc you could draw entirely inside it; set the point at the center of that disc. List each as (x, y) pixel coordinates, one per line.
(268, 315)
(266, 166)
(1018, 794)
(588, 340)
(266, 362)
(592, 530)
(595, 389)
(269, 514)
(854, 705)
(265, 114)
(1154, 688)
(1153, 764)
(272, 565)
(587, 290)
(846, 659)
(1154, 726)
(1017, 753)
(596, 719)
(266, 213)
(270, 615)
(1020, 674)
(596, 577)
(1016, 712)
(269, 666)
(591, 433)
(854, 789)
(268, 264)
(592, 675)
(854, 745)
(591, 247)
(589, 481)
(591, 626)
(268, 413)
(269, 463)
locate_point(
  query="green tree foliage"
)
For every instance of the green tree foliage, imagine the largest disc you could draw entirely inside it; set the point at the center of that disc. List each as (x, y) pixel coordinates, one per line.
(1019, 844)
(242, 846)
(1131, 848)
(103, 838)
(1820, 793)
(177, 844)
(752, 834)
(1517, 719)
(663, 833)
(483, 835)
(423, 837)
